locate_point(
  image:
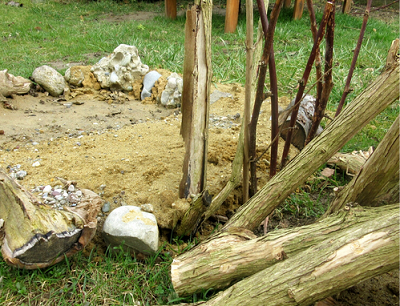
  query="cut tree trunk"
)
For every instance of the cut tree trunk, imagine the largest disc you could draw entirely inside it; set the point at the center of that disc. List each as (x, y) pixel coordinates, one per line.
(35, 235)
(297, 266)
(378, 179)
(303, 121)
(379, 94)
(195, 98)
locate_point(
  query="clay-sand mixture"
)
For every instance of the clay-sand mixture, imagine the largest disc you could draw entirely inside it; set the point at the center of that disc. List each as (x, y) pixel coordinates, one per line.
(129, 152)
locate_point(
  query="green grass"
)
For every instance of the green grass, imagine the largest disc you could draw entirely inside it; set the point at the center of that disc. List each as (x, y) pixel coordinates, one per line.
(78, 31)
(94, 279)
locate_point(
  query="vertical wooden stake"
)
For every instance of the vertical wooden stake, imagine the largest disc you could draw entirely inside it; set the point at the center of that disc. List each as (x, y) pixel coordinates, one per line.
(231, 16)
(195, 98)
(298, 9)
(170, 9)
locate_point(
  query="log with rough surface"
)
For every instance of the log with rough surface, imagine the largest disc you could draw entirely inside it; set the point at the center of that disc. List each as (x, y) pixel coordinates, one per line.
(349, 247)
(232, 256)
(378, 179)
(36, 236)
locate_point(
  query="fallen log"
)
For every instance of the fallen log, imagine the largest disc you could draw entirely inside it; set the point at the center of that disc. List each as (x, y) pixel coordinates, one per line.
(34, 235)
(378, 180)
(231, 256)
(351, 246)
(349, 163)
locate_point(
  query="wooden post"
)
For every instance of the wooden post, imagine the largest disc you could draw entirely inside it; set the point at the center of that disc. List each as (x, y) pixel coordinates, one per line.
(170, 9)
(346, 7)
(195, 98)
(298, 9)
(231, 17)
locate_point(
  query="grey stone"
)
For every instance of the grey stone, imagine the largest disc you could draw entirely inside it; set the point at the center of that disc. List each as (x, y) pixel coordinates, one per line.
(216, 95)
(132, 228)
(50, 79)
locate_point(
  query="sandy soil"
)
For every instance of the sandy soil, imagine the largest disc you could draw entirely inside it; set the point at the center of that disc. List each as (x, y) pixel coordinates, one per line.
(129, 152)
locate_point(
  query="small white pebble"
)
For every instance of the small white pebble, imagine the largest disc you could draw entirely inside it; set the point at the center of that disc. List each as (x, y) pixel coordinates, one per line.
(47, 189)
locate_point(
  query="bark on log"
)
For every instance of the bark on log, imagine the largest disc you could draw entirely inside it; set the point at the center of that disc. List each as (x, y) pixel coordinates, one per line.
(378, 179)
(349, 163)
(303, 121)
(229, 257)
(379, 94)
(35, 235)
(322, 259)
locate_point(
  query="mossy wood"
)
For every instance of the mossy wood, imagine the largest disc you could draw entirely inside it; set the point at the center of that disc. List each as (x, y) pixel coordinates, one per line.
(373, 100)
(35, 235)
(342, 238)
(378, 180)
(195, 98)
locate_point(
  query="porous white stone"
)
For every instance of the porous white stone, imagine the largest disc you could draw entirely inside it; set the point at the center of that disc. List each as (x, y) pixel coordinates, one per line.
(50, 79)
(132, 228)
(171, 97)
(120, 69)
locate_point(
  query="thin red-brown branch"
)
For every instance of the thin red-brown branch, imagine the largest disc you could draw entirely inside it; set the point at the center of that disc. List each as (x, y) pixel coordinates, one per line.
(327, 88)
(318, 61)
(355, 56)
(303, 82)
(270, 30)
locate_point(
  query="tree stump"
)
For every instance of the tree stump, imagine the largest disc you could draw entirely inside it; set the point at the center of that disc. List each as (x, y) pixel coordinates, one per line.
(34, 235)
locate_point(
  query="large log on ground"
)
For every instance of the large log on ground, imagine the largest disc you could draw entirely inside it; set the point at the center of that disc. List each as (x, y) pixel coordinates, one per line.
(355, 244)
(34, 235)
(230, 256)
(374, 99)
(378, 179)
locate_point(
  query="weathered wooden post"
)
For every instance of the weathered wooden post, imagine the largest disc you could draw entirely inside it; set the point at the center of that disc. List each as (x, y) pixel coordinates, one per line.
(197, 76)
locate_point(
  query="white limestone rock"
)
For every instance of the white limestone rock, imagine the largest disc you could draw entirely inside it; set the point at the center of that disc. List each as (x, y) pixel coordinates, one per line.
(171, 97)
(148, 83)
(134, 229)
(50, 79)
(120, 69)
(10, 84)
